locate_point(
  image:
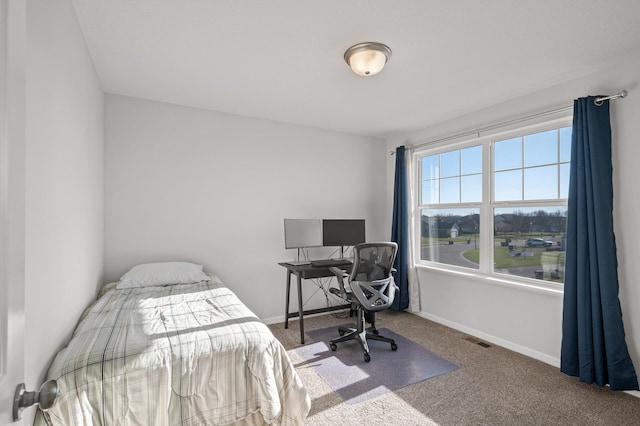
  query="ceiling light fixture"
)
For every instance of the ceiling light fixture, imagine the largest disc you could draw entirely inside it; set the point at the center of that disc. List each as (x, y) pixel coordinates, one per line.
(368, 58)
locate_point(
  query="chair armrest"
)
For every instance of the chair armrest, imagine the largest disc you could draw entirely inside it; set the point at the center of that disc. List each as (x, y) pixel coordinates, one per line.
(340, 274)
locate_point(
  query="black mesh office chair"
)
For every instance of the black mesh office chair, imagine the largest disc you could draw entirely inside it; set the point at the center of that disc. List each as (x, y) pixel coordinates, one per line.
(370, 288)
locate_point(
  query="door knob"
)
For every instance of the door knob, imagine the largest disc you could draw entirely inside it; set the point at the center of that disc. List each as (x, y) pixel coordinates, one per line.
(45, 398)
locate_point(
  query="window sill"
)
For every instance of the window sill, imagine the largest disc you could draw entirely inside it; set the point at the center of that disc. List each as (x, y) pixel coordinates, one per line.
(502, 280)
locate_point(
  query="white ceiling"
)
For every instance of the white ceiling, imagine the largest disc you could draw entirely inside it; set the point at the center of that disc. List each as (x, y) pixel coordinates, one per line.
(283, 60)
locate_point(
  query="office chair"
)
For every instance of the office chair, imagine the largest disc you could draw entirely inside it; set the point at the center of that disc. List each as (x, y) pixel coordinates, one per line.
(370, 288)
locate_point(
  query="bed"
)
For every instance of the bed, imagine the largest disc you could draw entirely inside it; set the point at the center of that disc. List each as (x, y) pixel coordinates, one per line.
(173, 348)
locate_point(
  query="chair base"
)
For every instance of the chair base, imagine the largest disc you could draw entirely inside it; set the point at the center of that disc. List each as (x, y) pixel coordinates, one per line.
(361, 334)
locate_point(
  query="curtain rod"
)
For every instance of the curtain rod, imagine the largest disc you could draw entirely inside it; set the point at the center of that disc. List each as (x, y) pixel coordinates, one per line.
(619, 95)
(598, 101)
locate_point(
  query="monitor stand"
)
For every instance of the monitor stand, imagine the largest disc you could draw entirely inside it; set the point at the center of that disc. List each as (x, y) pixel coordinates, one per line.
(298, 261)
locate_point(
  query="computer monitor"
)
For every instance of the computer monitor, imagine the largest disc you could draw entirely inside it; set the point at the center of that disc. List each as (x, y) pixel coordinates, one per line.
(342, 232)
(302, 233)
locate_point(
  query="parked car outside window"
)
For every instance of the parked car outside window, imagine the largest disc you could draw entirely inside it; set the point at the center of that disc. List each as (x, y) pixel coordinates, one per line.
(538, 242)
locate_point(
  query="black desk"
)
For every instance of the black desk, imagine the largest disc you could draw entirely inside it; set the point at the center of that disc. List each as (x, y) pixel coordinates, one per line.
(305, 272)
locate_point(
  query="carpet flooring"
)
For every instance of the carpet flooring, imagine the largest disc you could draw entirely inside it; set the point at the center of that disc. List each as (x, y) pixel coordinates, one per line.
(492, 386)
(355, 380)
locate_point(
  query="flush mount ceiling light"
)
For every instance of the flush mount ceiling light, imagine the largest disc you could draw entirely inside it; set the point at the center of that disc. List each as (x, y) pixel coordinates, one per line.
(368, 58)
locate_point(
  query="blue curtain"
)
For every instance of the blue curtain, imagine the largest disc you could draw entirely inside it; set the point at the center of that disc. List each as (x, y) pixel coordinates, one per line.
(593, 339)
(400, 231)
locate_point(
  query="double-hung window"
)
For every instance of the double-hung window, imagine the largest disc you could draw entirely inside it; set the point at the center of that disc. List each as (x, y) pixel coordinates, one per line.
(451, 197)
(497, 204)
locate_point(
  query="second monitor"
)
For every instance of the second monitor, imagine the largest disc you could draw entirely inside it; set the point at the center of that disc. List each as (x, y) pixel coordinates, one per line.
(342, 232)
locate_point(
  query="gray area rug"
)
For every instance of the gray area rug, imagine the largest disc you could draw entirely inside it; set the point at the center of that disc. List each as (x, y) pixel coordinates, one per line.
(355, 380)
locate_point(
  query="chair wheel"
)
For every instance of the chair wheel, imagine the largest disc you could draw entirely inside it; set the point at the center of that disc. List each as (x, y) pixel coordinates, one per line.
(340, 332)
(394, 347)
(333, 346)
(367, 358)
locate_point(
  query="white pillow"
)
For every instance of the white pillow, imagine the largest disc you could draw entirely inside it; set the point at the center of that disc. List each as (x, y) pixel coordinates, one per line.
(162, 273)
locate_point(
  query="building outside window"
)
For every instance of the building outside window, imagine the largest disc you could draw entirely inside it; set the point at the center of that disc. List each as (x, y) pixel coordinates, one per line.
(497, 204)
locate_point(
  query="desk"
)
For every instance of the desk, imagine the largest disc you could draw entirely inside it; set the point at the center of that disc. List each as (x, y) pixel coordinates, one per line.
(305, 272)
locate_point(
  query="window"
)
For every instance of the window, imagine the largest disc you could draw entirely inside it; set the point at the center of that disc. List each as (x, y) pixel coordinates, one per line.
(451, 188)
(529, 236)
(498, 204)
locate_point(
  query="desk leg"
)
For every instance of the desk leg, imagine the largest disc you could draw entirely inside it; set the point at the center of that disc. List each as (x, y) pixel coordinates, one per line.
(300, 311)
(286, 308)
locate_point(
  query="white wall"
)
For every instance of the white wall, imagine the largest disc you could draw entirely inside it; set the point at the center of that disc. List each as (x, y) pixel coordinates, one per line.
(64, 182)
(190, 184)
(525, 320)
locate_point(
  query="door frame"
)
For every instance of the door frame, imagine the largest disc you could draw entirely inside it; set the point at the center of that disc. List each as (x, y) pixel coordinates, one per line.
(12, 201)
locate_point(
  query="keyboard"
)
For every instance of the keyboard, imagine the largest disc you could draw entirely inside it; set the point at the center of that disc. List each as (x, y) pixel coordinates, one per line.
(327, 263)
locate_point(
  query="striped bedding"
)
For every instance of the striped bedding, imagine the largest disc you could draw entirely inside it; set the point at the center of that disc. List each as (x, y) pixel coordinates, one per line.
(188, 354)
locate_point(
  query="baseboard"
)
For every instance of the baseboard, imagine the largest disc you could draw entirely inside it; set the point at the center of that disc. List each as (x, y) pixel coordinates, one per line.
(273, 320)
(547, 359)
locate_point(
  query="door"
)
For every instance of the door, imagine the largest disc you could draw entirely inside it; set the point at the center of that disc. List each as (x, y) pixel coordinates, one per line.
(12, 194)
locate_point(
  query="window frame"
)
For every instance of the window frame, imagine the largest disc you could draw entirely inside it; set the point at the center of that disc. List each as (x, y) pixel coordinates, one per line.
(487, 205)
